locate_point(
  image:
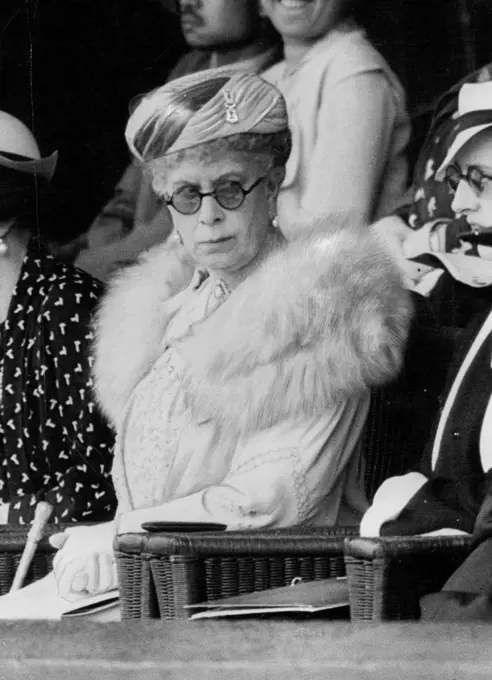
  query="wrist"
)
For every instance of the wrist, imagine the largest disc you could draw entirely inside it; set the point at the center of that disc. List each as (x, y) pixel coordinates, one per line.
(4, 513)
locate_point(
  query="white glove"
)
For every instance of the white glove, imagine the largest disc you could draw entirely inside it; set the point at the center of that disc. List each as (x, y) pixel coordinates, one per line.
(390, 499)
(84, 564)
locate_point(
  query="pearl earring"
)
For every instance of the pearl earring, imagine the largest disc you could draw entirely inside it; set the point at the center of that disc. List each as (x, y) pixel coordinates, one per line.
(4, 246)
(275, 222)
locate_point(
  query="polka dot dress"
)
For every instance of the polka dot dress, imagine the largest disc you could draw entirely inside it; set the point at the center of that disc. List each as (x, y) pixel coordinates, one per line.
(54, 445)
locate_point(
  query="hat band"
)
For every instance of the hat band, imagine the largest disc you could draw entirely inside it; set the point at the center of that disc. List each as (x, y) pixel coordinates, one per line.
(471, 119)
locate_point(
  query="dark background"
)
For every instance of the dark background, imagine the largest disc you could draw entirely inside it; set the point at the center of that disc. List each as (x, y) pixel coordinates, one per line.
(68, 69)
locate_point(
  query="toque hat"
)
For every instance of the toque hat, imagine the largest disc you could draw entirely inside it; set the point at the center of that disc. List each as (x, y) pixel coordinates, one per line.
(243, 103)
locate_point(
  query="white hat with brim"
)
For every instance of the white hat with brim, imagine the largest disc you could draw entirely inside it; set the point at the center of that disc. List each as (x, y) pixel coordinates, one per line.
(474, 116)
(44, 167)
(19, 149)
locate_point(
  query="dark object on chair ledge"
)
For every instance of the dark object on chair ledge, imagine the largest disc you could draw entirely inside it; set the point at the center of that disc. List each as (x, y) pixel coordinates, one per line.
(193, 527)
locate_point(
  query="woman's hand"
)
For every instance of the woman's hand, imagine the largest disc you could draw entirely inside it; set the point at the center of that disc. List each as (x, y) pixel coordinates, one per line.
(84, 564)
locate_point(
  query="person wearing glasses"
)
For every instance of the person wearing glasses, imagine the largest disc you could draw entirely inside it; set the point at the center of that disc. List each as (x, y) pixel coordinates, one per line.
(449, 260)
(452, 491)
(219, 33)
(235, 367)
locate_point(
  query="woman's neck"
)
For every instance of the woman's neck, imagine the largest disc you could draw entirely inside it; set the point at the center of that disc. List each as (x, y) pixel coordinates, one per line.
(233, 54)
(295, 49)
(11, 264)
(294, 52)
(232, 279)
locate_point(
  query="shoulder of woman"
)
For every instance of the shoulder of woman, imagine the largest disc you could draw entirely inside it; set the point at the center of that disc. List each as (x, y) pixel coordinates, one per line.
(352, 54)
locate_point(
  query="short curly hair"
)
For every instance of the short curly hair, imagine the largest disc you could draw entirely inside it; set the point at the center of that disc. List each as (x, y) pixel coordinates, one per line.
(269, 150)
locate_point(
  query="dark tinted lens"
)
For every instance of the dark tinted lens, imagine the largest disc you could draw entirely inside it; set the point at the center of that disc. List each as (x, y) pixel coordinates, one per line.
(186, 200)
(453, 177)
(229, 194)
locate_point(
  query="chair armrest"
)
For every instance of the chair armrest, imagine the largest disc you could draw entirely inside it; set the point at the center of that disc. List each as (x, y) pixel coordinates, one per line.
(388, 576)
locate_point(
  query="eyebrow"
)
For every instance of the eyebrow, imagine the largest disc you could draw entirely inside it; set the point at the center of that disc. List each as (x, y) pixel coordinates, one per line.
(233, 175)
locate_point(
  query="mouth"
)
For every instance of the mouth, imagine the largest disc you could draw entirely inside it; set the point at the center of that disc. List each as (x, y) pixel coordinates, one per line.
(295, 5)
(190, 21)
(213, 241)
(216, 243)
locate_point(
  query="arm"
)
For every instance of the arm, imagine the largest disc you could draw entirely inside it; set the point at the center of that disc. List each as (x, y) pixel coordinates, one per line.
(355, 124)
(278, 477)
(75, 444)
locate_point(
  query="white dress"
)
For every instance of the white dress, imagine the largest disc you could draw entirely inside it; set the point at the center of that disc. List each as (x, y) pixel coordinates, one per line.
(304, 472)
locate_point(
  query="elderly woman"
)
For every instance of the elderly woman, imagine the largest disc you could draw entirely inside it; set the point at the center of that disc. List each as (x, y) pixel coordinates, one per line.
(53, 444)
(235, 369)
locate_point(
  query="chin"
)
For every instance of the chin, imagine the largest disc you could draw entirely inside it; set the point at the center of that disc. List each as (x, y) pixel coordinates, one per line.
(195, 40)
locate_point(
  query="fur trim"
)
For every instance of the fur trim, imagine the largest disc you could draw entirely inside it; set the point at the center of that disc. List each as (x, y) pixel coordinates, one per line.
(321, 320)
(131, 322)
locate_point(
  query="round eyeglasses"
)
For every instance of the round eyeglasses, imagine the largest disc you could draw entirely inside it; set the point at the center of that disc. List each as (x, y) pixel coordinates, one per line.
(474, 177)
(229, 195)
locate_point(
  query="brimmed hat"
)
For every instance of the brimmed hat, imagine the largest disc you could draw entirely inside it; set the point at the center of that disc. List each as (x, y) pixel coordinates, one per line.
(19, 150)
(474, 116)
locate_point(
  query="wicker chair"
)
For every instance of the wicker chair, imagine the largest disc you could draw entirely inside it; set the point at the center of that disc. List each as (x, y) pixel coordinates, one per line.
(388, 576)
(160, 573)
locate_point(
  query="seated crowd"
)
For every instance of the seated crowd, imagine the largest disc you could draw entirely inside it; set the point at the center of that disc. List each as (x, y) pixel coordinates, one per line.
(215, 360)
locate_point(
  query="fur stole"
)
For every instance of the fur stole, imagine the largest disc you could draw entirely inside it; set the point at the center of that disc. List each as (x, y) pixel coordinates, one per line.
(320, 320)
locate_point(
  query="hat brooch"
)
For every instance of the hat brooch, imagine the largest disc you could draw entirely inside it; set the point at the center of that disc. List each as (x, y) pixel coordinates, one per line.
(230, 106)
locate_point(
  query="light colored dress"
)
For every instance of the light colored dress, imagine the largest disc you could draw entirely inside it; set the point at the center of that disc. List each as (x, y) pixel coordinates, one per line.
(350, 128)
(295, 472)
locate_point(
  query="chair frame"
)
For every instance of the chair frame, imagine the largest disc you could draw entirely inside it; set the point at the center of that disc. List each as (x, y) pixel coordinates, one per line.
(160, 573)
(387, 576)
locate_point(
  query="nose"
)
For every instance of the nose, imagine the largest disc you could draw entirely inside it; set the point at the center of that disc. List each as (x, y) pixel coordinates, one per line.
(210, 212)
(465, 199)
(186, 5)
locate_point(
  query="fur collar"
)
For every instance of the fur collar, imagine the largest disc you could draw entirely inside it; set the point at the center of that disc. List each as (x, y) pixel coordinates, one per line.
(322, 319)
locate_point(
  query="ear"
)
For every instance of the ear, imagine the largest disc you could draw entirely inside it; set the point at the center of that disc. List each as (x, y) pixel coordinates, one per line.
(274, 181)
